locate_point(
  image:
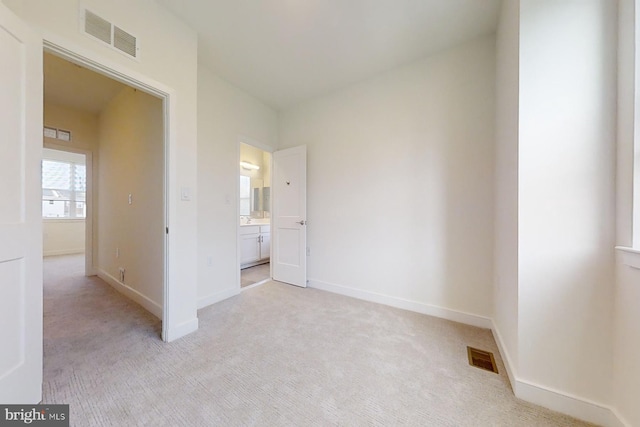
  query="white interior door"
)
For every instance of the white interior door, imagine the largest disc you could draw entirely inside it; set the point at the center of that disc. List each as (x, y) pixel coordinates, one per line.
(20, 212)
(289, 240)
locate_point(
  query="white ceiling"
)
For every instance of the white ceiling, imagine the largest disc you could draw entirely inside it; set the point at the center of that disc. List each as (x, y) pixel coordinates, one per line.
(74, 86)
(286, 51)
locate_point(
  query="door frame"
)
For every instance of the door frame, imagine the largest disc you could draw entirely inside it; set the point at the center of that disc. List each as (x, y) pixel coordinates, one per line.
(89, 266)
(118, 72)
(242, 139)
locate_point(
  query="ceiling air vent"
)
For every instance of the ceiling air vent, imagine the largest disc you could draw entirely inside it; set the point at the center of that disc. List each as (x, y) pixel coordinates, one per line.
(97, 27)
(124, 42)
(114, 36)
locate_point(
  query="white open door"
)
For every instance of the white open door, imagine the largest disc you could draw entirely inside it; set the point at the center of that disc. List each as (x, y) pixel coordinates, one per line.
(20, 212)
(289, 240)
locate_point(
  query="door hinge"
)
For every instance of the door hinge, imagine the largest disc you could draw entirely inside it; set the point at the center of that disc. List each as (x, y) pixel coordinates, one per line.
(167, 230)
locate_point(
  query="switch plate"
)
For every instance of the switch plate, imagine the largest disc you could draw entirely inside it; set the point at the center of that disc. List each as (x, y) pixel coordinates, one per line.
(185, 194)
(130, 198)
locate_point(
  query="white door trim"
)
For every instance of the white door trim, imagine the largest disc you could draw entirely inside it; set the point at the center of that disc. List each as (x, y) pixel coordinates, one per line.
(55, 45)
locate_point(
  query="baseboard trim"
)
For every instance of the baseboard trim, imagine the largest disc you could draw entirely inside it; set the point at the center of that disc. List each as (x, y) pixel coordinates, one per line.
(63, 252)
(217, 297)
(180, 330)
(405, 304)
(574, 406)
(506, 357)
(565, 403)
(148, 304)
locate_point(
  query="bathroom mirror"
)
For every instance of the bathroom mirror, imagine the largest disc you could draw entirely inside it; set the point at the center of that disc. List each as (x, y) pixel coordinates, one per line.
(255, 198)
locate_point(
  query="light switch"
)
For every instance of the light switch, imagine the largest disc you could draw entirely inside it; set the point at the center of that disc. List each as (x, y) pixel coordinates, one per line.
(185, 193)
(130, 198)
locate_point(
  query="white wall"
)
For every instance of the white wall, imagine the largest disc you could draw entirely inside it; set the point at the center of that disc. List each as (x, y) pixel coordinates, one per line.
(132, 163)
(168, 60)
(400, 182)
(226, 115)
(82, 124)
(506, 185)
(626, 326)
(566, 195)
(63, 236)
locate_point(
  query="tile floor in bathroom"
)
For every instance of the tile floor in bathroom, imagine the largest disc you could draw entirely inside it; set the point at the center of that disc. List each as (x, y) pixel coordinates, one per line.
(251, 275)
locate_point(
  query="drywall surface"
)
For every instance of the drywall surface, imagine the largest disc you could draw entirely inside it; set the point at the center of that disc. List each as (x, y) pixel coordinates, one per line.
(401, 183)
(506, 184)
(566, 195)
(131, 212)
(168, 60)
(226, 116)
(63, 236)
(83, 126)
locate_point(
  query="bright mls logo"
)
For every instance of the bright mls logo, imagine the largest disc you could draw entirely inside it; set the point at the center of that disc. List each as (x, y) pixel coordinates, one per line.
(34, 415)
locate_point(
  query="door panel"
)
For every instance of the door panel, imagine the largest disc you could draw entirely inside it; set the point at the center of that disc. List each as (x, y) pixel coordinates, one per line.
(11, 123)
(20, 212)
(289, 238)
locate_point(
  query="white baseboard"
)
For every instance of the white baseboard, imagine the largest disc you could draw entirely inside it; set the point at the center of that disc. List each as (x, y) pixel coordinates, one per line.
(217, 297)
(418, 307)
(574, 406)
(64, 252)
(180, 330)
(150, 305)
(565, 403)
(506, 357)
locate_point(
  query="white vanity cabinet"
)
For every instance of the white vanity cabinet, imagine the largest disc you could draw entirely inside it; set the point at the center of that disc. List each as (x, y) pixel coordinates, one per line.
(255, 244)
(265, 242)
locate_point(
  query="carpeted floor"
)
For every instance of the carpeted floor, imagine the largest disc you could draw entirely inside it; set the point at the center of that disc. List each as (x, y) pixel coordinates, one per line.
(275, 355)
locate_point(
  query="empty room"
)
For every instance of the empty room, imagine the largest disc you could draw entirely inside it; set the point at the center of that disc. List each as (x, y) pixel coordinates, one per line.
(445, 211)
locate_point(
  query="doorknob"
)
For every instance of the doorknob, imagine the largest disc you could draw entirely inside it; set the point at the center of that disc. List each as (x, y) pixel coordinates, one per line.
(303, 222)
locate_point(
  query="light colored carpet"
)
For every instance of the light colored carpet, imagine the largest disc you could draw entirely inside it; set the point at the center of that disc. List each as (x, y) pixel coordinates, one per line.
(275, 355)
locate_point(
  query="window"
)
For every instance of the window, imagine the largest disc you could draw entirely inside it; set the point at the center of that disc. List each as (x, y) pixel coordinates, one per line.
(64, 189)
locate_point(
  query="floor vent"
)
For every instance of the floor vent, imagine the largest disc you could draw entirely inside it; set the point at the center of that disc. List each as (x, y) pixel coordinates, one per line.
(482, 359)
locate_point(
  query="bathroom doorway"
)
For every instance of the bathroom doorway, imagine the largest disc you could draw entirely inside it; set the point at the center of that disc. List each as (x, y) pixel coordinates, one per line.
(254, 201)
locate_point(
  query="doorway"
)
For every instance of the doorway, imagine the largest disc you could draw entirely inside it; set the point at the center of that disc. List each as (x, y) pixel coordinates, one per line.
(64, 205)
(121, 129)
(254, 202)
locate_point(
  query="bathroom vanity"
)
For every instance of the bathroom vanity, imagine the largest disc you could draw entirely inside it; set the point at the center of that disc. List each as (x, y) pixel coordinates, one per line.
(255, 244)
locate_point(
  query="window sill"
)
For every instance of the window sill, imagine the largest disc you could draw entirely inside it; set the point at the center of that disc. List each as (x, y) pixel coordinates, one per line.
(629, 256)
(63, 220)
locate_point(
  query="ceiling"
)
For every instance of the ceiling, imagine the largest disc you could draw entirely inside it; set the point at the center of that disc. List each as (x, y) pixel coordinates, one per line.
(286, 51)
(73, 86)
